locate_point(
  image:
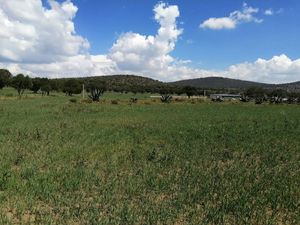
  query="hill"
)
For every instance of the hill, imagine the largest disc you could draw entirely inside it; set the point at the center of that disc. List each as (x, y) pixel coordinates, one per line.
(295, 86)
(219, 82)
(124, 83)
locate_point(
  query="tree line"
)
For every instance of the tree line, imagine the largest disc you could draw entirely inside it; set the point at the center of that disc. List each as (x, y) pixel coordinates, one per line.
(96, 86)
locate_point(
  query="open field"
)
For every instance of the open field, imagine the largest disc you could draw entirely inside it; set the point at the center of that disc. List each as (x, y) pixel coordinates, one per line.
(147, 163)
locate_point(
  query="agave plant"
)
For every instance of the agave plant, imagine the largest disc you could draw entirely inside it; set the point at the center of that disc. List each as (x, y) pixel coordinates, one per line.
(96, 90)
(276, 100)
(166, 98)
(259, 100)
(244, 99)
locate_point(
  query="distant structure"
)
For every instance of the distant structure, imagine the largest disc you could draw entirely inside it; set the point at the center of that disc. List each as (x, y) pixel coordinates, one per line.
(222, 97)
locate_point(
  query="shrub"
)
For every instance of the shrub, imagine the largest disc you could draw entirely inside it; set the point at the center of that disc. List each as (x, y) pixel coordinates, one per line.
(9, 95)
(244, 98)
(259, 101)
(73, 100)
(218, 99)
(133, 100)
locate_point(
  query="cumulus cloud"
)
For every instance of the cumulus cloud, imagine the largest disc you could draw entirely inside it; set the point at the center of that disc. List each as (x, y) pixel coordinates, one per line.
(73, 66)
(149, 55)
(219, 23)
(245, 15)
(42, 41)
(278, 69)
(31, 33)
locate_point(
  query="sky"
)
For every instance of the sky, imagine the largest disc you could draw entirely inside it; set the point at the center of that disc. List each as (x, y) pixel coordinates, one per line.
(256, 40)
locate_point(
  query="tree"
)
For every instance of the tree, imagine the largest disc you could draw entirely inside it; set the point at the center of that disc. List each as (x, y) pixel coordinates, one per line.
(20, 83)
(5, 78)
(178, 90)
(45, 86)
(72, 86)
(36, 85)
(278, 93)
(96, 89)
(255, 92)
(2, 84)
(56, 85)
(190, 91)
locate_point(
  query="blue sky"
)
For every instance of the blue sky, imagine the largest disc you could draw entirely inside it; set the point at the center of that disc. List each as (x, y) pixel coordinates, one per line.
(253, 40)
(102, 21)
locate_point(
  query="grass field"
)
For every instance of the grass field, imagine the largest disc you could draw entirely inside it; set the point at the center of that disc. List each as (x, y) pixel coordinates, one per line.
(147, 163)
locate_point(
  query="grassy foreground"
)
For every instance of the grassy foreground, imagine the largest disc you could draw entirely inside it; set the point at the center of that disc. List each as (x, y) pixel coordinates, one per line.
(148, 163)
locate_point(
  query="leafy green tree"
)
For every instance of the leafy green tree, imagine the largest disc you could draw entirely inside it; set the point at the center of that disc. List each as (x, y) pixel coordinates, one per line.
(20, 83)
(72, 86)
(255, 92)
(56, 85)
(190, 91)
(278, 93)
(45, 86)
(5, 78)
(2, 84)
(36, 85)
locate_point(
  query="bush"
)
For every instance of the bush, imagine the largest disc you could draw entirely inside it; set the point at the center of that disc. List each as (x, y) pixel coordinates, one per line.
(244, 99)
(72, 86)
(73, 100)
(133, 100)
(114, 102)
(258, 101)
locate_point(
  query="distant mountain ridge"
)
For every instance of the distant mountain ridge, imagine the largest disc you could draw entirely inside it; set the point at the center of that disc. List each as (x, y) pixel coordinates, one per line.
(222, 82)
(132, 81)
(219, 82)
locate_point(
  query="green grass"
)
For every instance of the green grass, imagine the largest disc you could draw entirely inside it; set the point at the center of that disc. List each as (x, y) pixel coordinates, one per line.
(147, 163)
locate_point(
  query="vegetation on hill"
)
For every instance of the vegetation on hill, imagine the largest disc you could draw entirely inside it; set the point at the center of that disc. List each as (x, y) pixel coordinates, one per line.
(95, 86)
(219, 82)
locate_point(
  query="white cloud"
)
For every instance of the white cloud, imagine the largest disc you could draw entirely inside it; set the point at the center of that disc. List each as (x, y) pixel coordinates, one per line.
(269, 12)
(74, 66)
(246, 15)
(219, 23)
(278, 69)
(31, 33)
(149, 55)
(43, 42)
